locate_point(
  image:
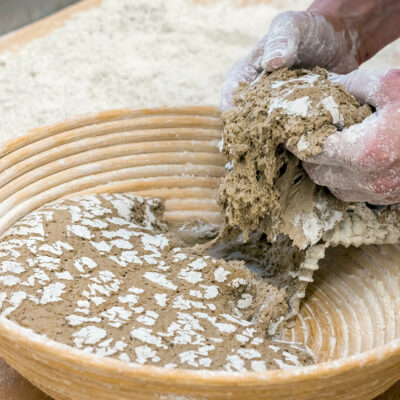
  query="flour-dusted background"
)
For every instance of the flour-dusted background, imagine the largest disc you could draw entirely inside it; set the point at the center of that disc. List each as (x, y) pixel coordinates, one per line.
(138, 53)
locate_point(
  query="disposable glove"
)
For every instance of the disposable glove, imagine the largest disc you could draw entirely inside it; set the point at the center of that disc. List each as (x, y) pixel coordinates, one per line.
(304, 39)
(362, 162)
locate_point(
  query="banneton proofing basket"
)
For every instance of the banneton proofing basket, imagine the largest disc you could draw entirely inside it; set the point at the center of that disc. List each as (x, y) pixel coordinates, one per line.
(350, 318)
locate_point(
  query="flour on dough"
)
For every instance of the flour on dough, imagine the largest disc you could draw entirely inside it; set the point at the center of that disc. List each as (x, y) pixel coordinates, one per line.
(104, 273)
(268, 200)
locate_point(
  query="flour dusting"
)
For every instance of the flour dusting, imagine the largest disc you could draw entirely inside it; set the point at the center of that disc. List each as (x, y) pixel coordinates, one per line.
(128, 54)
(100, 274)
(135, 54)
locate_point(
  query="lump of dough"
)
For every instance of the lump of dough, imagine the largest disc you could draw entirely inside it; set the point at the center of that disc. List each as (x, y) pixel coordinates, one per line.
(272, 208)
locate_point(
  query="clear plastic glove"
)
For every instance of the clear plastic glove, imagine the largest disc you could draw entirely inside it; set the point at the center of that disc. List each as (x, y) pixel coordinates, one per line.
(338, 35)
(362, 163)
(303, 39)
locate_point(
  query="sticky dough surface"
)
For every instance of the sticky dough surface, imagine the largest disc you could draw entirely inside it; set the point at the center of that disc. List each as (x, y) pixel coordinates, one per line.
(103, 273)
(266, 195)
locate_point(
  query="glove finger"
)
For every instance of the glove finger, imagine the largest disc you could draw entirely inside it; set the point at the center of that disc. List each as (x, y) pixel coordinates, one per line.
(381, 182)
(354, 147)
(242, 71)
(333, 176)
(245, 70)
(282, 43)
(364, 85)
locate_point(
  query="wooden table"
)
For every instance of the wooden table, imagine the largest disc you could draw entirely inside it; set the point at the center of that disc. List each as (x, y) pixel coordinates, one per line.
(14, 386)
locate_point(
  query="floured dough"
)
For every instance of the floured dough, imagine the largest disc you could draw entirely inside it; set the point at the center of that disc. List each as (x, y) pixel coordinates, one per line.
(267, 188)
(268, 199)
(104, 273)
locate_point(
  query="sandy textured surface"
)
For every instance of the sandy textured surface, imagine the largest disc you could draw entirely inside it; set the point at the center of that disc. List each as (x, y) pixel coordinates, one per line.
(133, 54)
(266, 187)
(104, 274)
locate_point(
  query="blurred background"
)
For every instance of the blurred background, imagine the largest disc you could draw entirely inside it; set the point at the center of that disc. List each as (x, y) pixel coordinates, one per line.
(17, 13)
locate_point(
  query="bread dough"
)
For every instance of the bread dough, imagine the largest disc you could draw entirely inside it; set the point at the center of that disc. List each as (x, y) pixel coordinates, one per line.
(104, 273)
(266, 187)
(268, 200)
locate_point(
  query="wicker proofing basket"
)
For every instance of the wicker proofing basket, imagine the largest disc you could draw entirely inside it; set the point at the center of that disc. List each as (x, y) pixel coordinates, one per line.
(350, 319)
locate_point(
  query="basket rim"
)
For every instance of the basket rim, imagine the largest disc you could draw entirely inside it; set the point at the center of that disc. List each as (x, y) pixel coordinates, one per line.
(16, 333)
(60, 351)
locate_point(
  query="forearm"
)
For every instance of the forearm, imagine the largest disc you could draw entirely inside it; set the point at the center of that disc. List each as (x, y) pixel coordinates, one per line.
(371, 23)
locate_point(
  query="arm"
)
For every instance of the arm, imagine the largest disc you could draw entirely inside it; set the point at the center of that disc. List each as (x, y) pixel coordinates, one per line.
(375, 22)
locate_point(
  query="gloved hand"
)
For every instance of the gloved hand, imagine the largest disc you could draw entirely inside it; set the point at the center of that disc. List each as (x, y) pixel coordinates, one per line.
(303, 39)
(362, 162)
(336, 34)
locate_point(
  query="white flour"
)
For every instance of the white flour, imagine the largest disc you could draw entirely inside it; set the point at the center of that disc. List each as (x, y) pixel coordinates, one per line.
(131, 54)
(126, 53)
(207, 306)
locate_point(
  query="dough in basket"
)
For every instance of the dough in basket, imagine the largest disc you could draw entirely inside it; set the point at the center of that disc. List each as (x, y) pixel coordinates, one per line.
(270, 205)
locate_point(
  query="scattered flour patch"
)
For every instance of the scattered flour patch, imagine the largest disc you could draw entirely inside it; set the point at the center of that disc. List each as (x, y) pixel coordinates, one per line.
(221, 274)
(52, 293)
(88, 335)
(160, 279)
(64, 275)
(81, 231)
(151, 303)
